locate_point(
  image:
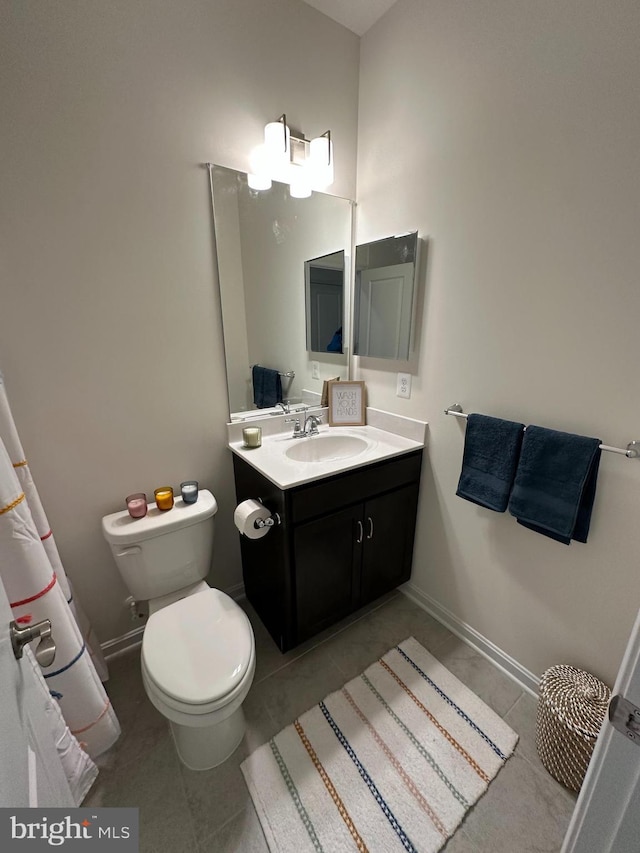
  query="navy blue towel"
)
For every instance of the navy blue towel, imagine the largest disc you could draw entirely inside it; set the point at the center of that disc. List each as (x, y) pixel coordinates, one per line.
(491, 450)
(267, 386)
(555, 483)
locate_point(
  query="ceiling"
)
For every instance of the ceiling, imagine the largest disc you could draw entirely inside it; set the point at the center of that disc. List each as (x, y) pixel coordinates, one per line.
(356, 15)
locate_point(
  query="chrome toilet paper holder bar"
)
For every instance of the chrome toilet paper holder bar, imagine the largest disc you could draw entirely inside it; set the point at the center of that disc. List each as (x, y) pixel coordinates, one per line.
(272, 521)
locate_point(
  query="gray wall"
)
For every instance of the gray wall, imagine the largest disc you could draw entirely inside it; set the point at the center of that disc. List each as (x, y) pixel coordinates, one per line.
(110, 332)
(514, 146)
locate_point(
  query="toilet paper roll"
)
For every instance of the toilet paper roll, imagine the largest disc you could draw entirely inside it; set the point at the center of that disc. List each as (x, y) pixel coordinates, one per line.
(245, 516)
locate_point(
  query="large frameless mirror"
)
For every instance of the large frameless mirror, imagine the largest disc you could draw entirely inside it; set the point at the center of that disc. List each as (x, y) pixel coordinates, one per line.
(385, 296)
(266, 243)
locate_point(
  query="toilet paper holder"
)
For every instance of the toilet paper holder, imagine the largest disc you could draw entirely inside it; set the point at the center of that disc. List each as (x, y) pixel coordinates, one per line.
(272, 521)
(267, 522)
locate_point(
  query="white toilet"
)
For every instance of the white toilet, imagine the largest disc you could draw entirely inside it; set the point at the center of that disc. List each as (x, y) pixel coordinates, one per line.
(198, 649)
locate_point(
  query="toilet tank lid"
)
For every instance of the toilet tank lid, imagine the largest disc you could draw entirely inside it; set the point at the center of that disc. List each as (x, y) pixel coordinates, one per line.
(120, 529)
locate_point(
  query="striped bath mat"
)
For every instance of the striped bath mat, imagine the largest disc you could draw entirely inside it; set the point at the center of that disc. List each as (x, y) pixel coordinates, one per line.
(391, 762)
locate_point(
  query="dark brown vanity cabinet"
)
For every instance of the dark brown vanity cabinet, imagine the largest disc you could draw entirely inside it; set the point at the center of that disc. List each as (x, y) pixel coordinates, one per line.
(343, 541)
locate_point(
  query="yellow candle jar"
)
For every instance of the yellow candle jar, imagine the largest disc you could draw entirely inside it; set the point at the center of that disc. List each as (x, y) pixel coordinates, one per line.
(164, 497)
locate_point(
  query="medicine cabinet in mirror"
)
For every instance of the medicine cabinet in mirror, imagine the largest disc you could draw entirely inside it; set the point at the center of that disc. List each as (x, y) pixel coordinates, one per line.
(269, 248)
(384, 298)
(324, 282)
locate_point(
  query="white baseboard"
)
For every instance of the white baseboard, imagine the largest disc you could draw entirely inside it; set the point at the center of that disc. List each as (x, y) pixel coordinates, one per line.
(518, 673)
(236, 592)
(127, 641)
(122, 644)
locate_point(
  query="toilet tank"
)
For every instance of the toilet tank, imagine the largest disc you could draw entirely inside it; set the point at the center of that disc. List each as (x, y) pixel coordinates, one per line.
(164, 551)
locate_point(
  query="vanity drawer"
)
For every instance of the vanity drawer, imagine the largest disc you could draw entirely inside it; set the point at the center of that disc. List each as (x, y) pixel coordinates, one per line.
(327, 495)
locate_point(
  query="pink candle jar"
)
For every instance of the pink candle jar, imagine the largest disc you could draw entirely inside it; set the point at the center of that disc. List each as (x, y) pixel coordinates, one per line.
(137, 505)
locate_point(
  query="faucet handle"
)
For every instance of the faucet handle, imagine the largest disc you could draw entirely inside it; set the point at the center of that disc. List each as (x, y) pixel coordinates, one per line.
(297, 429)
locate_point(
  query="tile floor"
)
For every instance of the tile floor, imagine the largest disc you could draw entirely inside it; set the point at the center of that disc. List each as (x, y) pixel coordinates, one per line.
(524, 810)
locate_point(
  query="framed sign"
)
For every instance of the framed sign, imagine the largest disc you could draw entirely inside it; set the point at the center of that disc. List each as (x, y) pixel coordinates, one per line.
(346, 404)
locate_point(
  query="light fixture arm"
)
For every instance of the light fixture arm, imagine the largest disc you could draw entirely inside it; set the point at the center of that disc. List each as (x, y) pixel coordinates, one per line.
(283, 119)
(327, 133)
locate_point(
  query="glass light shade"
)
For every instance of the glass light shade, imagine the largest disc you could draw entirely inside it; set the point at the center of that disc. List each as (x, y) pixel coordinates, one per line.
(299, 181)
(258, 182)
(321, 161)
(300, 187)
(277, 141)
(259, 177)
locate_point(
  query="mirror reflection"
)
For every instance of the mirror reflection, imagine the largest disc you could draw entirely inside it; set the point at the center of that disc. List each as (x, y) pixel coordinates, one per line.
(270, 248)
(385, 296)
(324, 279)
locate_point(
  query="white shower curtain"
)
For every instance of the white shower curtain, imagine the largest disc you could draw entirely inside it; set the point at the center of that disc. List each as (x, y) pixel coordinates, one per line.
(37, 588)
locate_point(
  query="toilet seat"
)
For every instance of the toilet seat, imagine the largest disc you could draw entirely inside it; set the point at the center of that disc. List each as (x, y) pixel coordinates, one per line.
(199, 653)
(198, 715)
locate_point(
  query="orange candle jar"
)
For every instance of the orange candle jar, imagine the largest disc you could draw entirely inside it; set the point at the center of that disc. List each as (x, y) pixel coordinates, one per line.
(164, 497)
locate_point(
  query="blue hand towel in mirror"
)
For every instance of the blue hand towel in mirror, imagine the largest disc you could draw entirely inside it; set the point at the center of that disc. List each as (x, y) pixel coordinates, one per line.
(491, 450)
(555, 483)
(267, 386)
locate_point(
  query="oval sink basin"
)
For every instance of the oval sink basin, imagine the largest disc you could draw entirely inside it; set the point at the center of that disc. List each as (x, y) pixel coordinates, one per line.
(324, 448)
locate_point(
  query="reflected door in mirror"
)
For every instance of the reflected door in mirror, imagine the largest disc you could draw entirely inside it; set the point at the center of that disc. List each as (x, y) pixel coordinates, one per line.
(324, 278)
(384, 303)
(385, 298)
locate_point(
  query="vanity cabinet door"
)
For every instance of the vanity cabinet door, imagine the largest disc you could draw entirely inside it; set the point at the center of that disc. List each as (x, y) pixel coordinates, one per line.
(327, 570)
(389, 527)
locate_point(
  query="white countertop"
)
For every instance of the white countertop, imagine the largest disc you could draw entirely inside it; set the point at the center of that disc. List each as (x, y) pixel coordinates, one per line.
(270, 458)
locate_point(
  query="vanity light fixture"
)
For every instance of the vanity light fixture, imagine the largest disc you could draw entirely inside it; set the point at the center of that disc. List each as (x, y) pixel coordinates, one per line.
(304, 164)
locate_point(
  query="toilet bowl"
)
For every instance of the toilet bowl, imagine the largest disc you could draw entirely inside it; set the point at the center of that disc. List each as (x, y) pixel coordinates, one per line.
(198, 649)
(198, 661)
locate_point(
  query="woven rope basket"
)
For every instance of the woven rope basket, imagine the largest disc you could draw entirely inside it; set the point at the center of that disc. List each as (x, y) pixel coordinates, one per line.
(571, 708)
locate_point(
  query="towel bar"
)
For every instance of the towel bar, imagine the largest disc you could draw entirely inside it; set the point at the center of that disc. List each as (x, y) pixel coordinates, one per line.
(290, 374)
(632, 451)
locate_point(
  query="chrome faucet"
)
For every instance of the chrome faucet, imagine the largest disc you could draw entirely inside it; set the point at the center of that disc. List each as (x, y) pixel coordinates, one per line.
(285, 407)
(311, 424)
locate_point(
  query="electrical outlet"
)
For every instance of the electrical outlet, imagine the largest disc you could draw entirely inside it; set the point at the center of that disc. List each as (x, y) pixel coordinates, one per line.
(403, 388)
(315, 370)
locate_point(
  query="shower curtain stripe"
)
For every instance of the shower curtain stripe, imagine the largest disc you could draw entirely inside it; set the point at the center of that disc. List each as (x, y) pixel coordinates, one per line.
(95, 722)
(37, 595)
(66, 666)
(12, 505)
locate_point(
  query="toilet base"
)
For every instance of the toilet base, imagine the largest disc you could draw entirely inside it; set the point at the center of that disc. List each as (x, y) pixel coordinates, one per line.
(205, 747)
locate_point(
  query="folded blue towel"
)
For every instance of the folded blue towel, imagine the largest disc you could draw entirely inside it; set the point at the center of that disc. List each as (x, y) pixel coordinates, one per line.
(555, 483)
(267, 386)
(491, 449)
